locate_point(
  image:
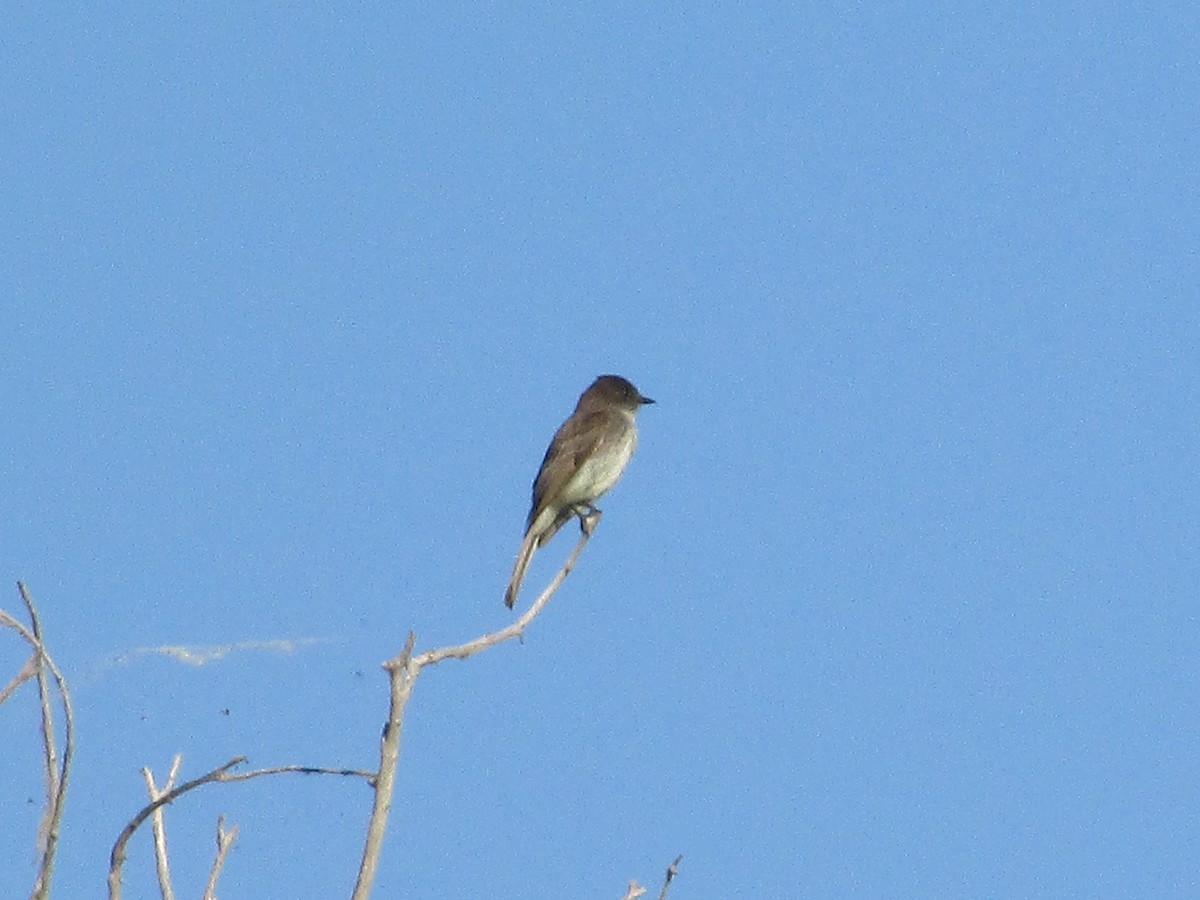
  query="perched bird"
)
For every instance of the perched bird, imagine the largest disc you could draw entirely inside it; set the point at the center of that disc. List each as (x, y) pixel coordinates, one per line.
(588, 454)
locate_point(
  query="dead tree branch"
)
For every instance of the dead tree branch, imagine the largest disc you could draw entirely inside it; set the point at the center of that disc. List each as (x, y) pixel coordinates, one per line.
(57, 770)
(158, 822)
(220, 775)
(225, 840)
(672, 871)
(403, 671)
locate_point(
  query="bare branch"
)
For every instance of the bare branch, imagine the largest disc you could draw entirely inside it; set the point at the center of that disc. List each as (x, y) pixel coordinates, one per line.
(57, 771)
(403, 671)
(220, 775)
(402, 675)
(160, 827)
(230, 777)
(224, 842)
(517, 628)
(117, 859)
(48, 738)
(672, 871)
(29, 670)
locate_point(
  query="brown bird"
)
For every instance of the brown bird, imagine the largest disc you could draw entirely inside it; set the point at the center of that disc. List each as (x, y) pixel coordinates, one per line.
(588, 454)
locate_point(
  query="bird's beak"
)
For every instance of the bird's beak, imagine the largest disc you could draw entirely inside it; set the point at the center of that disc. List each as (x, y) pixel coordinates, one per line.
(644, 400)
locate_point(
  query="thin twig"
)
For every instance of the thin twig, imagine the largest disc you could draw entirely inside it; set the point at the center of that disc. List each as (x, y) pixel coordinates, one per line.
(224, 842)
(159, 824)
(403, 671)
(672, 871)
(48, 738)
(517, 628)
(29, 670)
(230, 777)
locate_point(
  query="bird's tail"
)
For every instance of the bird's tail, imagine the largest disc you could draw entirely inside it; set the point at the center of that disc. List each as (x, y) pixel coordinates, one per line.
(524, 555)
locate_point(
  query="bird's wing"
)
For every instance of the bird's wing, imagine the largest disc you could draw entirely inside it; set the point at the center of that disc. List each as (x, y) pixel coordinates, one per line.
(575, 441)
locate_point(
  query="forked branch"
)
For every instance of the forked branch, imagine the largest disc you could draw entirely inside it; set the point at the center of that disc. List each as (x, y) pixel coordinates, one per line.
(402, 675)
(221, 775)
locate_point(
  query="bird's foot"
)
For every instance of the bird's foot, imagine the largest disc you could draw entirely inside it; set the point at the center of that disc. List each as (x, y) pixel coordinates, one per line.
(589, 518)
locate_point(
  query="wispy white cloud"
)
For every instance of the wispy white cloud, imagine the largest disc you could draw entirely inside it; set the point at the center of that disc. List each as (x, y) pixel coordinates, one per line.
(202, 654)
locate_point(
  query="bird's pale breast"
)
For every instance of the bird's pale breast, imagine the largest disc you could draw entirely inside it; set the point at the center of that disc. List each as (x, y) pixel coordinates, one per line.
(602, 469)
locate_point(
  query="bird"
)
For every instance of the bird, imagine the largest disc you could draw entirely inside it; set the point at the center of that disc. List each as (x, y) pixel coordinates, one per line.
(586, 457)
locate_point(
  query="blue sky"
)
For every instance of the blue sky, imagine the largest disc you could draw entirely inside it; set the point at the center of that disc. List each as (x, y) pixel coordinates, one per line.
(898, 596)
